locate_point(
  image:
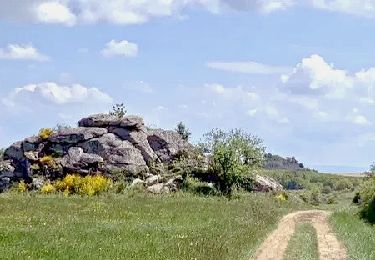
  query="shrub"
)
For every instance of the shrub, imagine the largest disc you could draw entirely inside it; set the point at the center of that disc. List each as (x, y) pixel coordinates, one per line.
(48, 161)
(48, 188)
(183, 131)
(45, 133)
(22, 187)
(367, 199)
(282, 196)
(118, 110)
(89, 185)
(233, 154)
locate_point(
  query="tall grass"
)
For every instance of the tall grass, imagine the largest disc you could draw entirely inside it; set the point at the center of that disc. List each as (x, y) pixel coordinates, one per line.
(138, 226)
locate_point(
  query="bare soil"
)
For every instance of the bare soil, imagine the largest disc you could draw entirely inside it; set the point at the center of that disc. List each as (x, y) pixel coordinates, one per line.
(277, 242)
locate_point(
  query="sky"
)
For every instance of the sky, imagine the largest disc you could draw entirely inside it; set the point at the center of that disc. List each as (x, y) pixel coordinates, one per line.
(298, 74)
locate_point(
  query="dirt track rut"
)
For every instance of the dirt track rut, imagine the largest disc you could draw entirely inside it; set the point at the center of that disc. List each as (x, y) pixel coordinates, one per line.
(274, 247)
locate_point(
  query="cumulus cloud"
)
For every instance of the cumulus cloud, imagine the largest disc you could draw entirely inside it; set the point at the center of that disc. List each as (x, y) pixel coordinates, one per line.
(71, 12)
(52, 93)
(22, 52)
(364, 8)
(55, 12)
(249, 67)
(265, 6)
(120, 48)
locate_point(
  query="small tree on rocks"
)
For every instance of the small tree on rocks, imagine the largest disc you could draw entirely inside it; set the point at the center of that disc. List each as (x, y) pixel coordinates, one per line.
(118, 110)
(183, 131)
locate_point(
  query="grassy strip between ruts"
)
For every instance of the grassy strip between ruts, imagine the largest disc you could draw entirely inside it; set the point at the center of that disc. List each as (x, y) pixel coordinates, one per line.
(303, 244)
(179, 226)
(357, 235)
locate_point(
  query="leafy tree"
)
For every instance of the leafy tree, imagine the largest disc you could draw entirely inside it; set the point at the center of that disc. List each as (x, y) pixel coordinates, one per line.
(183, 131)
(1, 154)
(233, 153)
(118, 110)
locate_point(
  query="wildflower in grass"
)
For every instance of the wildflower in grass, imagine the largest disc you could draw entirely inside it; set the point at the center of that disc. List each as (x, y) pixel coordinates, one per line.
(22, 187)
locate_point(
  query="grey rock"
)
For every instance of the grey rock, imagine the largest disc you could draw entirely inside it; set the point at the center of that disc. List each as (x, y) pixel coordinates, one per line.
(38, 182)
(31, 143)
(138, 139)
(266, 184)
(31, 156)
(152, 180)
(137, 182)
(78, 161)
(106, 120)
(76, 135)
(14, 152)
(6, 167)
(117, 153)
(166, 144)
(158, 189)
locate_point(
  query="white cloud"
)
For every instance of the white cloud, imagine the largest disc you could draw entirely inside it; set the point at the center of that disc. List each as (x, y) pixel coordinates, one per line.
(53, 93)
(55, 12)
(364, 8)
(22, 52)
(72, 12)
(120, 48)
(248, 67)
(265, 6)
(316, 77)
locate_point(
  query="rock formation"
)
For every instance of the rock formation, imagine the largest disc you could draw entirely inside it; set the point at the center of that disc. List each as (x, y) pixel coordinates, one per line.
(101, 143)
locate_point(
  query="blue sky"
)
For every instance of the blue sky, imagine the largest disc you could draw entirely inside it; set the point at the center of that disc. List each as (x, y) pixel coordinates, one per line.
(299, 74)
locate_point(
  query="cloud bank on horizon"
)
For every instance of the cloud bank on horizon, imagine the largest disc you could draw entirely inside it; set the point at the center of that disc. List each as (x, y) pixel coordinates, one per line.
(95, 53)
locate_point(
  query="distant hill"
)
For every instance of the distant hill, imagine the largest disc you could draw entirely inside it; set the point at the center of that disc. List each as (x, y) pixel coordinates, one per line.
(273, 161)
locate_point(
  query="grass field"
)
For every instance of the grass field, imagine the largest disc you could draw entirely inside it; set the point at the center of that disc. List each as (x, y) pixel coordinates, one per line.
(357, 235)
(303, 244)
(180, 226)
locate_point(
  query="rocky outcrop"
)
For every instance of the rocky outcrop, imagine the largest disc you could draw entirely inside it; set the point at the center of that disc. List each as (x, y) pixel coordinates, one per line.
(272, 161)
(101, 143)
(266, 184)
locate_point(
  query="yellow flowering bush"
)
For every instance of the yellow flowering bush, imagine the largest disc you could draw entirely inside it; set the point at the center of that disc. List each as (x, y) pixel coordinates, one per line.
(45, 133)
(282, 196)
(48, 188)
(89, 185)
(48, 161)
(22, 187)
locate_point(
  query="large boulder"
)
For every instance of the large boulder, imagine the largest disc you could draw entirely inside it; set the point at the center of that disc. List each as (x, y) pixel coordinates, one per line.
(14, 152)
(78, 161)
(166, 144)
(266, 184)
(106, 120)
(138, 139)
(76, 135)
(117, 153)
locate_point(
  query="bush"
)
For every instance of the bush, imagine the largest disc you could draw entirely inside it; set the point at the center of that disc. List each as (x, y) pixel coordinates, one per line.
(233, 154)
(48, 161)
(367, 199)
(118, 110)
(48, 188)
(22, 187)
(183, 131)
(45, 133)
(89, 185)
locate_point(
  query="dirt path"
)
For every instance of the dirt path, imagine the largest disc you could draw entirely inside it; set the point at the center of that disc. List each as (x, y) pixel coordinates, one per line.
(276, 244)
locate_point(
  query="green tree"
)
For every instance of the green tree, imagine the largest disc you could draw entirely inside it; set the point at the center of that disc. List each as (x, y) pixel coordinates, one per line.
(1, 154)
(233, 154)
(183, 131)
(118, 110)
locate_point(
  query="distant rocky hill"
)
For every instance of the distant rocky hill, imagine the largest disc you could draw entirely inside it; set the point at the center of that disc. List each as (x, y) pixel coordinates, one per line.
(273, 161)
